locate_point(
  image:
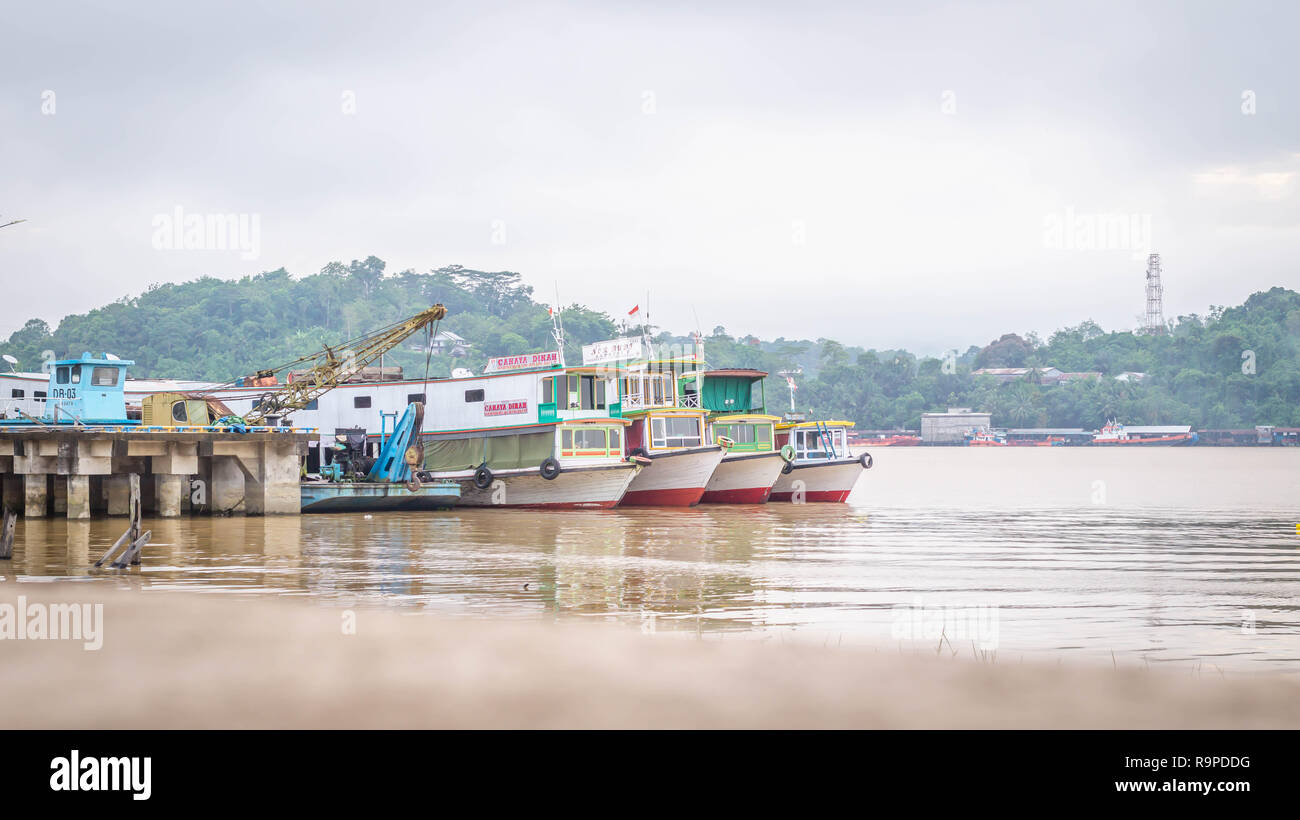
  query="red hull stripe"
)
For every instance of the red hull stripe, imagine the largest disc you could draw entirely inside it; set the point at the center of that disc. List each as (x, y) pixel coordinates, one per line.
(677, 497)
(753, 495)
(829, 496)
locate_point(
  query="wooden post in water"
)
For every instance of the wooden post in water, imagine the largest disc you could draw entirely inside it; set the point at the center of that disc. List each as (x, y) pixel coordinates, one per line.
(10, 520)
(133, 539)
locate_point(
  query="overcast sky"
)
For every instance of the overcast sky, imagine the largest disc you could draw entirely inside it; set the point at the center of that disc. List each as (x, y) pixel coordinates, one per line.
(888, 174)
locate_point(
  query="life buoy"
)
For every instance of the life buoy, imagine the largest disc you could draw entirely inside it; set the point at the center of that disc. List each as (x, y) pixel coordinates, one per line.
(787, 453)
(865, 461)
(550, 468)
(482, 477)
(725, 443)
(787, 468)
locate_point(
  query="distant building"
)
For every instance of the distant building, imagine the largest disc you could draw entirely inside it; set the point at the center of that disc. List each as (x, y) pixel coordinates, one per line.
(951, 427)
(1079, 377)
(445, 343)
(1046, 375)
(1130, 376)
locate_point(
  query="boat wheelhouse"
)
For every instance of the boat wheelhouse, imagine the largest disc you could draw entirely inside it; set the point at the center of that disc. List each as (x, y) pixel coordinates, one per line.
(753, 461)
(823, 469)
(547, 436)
(660, 399)
(85, 390)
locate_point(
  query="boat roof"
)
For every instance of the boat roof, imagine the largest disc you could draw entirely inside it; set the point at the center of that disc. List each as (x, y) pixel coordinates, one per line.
(827, 423)
(746, 417)
(87, 358)
(738, 372)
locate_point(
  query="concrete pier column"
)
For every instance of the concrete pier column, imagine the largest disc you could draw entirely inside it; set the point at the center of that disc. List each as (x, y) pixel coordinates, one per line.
(118, 490)
(275, 490)
(226, 492)
(78, 499)
(168, 490)
(36, 495)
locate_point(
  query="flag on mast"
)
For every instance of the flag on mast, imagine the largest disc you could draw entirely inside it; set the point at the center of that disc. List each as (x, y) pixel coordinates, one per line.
(634, 309)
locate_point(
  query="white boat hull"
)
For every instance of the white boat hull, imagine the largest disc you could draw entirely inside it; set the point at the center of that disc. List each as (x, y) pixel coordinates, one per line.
(673, 479)
(824, 481)
(600, 487)
(743, 478)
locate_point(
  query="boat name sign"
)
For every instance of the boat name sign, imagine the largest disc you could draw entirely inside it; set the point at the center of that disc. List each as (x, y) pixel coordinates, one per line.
(527, 361)
(509, 407)
(613, 350)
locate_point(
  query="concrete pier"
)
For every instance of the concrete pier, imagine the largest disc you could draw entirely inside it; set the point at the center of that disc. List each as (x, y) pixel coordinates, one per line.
(78, 496)
(167, 495)
(37, 494)
(80, 471)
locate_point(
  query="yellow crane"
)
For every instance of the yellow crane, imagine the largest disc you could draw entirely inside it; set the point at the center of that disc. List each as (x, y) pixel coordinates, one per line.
(330, 367)
(312, 376)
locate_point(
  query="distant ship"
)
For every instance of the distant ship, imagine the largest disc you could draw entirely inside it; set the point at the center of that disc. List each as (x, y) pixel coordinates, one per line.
(1115, 434)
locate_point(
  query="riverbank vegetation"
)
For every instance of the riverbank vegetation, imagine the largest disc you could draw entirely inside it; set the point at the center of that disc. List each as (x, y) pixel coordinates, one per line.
(1232, 367)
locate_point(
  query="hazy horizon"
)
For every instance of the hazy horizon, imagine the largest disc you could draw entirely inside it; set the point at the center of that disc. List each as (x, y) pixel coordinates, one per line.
(920, 178)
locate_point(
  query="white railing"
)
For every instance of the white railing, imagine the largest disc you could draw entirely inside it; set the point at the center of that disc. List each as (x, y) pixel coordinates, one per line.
(690, 400)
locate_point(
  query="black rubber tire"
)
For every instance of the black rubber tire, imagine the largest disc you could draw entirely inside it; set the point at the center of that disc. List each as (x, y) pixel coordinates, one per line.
(638, 451)
(550, 468)
(787, 468)
(413, 484)
(865, 461)
(482, 477)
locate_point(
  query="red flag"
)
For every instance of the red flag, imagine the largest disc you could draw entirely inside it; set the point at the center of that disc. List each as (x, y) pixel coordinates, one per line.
(633, 310)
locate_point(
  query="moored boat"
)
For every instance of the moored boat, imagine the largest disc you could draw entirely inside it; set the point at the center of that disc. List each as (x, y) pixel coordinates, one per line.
(376, 496)
(1115, 434)
(530, 432)
(752, 462)
(824, 469)
(680, 461)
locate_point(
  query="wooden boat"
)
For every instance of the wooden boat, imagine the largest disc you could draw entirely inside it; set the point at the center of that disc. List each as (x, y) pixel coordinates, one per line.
(530, 432)
(823, 468)
(752, 462)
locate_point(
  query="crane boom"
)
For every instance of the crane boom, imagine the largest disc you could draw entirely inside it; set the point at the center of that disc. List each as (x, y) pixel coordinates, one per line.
(329, 368)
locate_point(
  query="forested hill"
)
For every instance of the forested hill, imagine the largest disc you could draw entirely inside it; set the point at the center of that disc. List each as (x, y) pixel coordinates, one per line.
(1235, 367)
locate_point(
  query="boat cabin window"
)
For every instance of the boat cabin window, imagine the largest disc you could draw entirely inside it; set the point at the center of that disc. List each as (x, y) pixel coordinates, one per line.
(61, 375)
(474, 395)
(76, 374)
(809, 444)
(591, 441)
(360, 402)
(675, 431)
(104, 377)
(548, 390)
(585, 392)
(745, 436)
(38, 394)
(412, 398)
(16, 394)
